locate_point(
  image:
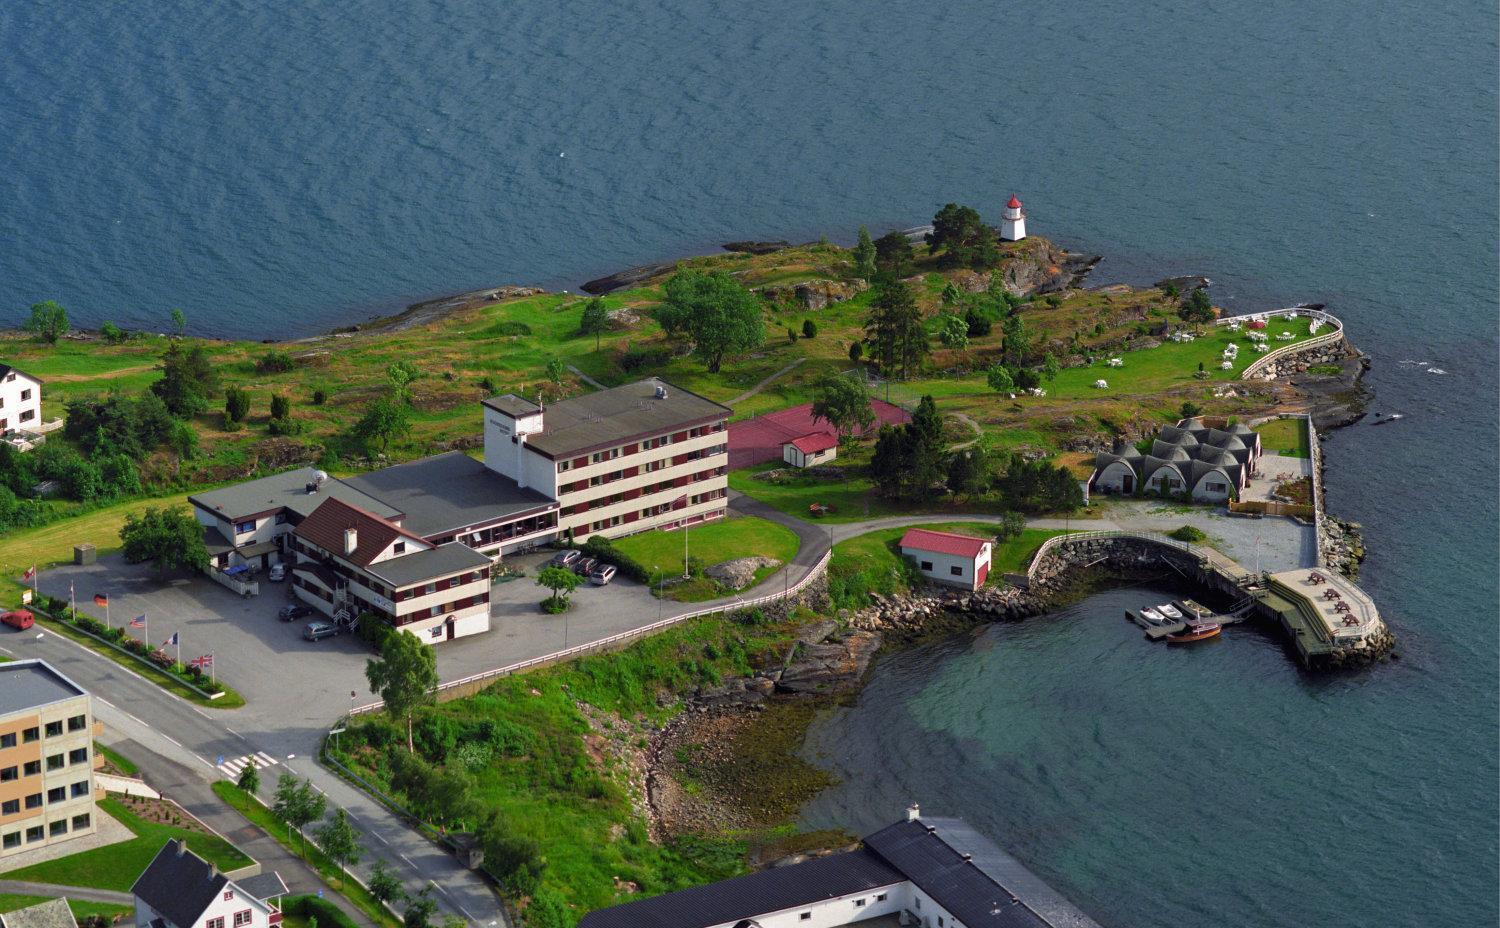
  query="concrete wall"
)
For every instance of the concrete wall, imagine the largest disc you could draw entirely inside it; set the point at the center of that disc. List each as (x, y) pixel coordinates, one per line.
(1203, 493)
(840, 910)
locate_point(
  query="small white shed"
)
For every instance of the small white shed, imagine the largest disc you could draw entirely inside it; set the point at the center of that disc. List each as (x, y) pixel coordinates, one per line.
(944, 557)
(810, 450)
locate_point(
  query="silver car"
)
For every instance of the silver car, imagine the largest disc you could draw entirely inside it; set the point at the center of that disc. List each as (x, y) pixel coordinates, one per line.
(602, 574)
(320, 629)
(565, 558)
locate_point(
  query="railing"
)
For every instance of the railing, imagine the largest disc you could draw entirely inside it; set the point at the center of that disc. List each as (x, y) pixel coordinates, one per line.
(1206, 556)
(1315, 454)
(1259, 364)
(606, 643)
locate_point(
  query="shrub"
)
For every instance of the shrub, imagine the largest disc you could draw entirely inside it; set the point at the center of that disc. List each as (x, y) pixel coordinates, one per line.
(236, 404)
(112, 333)
(319, 398)
(373, 630)
(281, 407)
(791, 334)
(600, 547)
(809, 329)
(510, 328)
(1188, 533)
(285, 427)
(644, 356)
(274, 362)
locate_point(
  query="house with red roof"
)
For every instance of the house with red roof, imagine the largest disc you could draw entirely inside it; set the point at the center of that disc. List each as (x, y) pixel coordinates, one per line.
(949, 558)
(810, 450)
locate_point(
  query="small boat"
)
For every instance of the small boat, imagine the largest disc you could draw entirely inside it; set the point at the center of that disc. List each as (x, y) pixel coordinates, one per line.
(1154, 617)
(1195, 631)
(1170, 611)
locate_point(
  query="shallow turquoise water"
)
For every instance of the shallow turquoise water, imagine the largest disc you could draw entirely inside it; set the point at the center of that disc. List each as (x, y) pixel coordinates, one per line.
(279, 168)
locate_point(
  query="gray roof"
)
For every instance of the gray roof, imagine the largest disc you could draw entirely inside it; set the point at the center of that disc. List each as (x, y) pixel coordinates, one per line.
(1152, 464)
(759, 893)
(1201, 469)
(436, 562)
(446, 492)
(514, 406)
(1171, 452)
(54, 913)
(179, 884)
(1227, 440)
(263, 886)
(1175, 436)
(30, 684)
(611, 417)
(965, 873)
(287, 490)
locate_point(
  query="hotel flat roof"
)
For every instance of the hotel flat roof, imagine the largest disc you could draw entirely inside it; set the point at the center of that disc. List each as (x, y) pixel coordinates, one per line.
(31, 684)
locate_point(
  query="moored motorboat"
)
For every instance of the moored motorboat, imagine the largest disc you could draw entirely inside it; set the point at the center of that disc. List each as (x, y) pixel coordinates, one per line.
(1170, 611)
(1195, 631)
(1154, 617)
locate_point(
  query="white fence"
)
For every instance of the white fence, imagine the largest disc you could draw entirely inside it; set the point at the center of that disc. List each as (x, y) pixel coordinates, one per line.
(1259, 364)
(606, 643)
(242, 587)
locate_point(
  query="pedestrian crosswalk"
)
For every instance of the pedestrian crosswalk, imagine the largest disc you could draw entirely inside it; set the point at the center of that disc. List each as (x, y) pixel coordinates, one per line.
(233, 768)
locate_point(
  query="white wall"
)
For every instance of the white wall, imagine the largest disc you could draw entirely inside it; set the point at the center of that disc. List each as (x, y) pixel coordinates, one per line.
(832, 913)
(1202, 493)
(260, 913)
(1112, 478)
(523, 465)
(13, 408)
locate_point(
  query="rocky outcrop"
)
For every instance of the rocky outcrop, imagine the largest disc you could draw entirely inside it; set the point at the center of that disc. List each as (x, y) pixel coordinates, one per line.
(832, 666)
(1342, 545)
(626, 278)
(1185, 284)
(757, 248)
(815, 294)
(738, 573)
(621, 319)
(934, 609)
(1035, 266)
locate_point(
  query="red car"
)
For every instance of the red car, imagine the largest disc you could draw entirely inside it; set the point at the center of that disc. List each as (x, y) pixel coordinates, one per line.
(20, 618)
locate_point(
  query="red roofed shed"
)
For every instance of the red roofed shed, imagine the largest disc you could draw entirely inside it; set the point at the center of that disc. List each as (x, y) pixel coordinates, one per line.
(810, 450)
(946, 557)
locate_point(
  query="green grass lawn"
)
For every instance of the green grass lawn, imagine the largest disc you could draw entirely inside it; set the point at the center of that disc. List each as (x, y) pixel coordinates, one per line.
(121, 762)
(9, 902)
(116, 866)
(262, 818)
(1287, 437)
(721, 540)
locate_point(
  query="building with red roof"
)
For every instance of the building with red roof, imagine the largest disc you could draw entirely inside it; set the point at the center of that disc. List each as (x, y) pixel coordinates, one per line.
(811, 449)
(947, 557)
(1013, 222)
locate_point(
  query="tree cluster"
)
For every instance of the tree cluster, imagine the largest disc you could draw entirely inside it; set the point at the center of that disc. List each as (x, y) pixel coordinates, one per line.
(713, 309)
(895, 332)
(844, 403)
(170, 538)
(1196, 307)
(963, 238)
(908, 459)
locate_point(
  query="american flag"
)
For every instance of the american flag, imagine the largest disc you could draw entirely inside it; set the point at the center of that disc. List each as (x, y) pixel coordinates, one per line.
(138, 622)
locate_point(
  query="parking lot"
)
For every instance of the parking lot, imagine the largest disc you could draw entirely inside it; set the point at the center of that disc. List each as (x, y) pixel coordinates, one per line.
(294, 685)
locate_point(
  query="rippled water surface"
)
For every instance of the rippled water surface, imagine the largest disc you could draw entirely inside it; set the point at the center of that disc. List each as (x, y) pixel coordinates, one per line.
(280, 168)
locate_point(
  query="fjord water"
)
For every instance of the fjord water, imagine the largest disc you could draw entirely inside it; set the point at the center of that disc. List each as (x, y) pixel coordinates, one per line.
(278, 168)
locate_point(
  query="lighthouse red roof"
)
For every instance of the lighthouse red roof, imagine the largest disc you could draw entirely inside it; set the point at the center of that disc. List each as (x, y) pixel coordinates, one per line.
(1014, 203)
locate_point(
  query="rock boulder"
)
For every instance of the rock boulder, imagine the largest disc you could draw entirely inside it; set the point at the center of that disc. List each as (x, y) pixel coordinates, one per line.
(738, 573)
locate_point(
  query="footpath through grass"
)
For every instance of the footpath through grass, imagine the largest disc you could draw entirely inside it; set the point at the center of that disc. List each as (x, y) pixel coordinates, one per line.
(351, 889)
(82, 908)
(116, 866)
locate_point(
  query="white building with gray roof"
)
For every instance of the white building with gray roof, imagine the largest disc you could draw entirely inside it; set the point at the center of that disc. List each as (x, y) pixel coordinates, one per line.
(1204, 463)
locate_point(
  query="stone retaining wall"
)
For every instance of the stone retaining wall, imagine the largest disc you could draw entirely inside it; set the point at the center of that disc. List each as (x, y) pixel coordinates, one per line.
(1298, 358)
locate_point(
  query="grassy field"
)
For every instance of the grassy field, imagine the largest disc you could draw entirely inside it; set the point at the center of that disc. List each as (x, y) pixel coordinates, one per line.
(556, 780)
(715, 542)
(53, 544)
(262, 818)
(82, 908)
(116, 866)
(1287, 437)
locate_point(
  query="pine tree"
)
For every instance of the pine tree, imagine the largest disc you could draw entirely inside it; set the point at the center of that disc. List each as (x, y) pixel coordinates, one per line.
(898, 341)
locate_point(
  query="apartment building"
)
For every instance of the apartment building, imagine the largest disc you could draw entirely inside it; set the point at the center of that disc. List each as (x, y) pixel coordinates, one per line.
(47, 759)
(636, 457)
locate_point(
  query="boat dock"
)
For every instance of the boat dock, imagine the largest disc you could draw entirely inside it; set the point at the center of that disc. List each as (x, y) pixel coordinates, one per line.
(1189, 609)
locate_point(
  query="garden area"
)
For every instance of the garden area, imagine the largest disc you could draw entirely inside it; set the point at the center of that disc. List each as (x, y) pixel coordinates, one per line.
(1286, 437)
(116, 866)
(660, 554)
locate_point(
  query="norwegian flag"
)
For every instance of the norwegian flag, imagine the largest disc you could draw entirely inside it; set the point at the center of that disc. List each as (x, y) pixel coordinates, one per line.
(30, 573)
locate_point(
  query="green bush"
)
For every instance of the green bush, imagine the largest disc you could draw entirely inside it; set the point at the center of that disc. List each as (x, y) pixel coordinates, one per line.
(809, 329)
(1188, 533)
(509, 328)
(274, 362)
(644, 357)
(310, 907)
(599, 547)
(319, 397)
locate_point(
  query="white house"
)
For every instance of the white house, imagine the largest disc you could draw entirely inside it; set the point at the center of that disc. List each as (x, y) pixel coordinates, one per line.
(1211, 464)
(957, 560)
(182, 890)
(810, 450)
(930, 872)
(1013, 221)
(20, 405)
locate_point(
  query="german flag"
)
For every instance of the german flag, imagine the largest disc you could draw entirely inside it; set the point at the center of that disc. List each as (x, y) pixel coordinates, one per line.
(101, 599)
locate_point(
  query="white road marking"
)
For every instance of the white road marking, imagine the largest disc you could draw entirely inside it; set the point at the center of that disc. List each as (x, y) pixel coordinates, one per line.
(380, 837)
(233, 768)
(135, 720)
(205, 763)
(7, 650)
(407, 859)
(200, 712)
(233, 732)
(105, 701)
(173, 740)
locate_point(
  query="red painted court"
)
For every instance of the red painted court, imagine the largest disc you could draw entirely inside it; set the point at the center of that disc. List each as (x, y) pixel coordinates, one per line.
(755, 441)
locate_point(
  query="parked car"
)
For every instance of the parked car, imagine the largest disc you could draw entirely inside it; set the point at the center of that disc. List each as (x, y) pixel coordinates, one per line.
(565, 558)
(277, 574)
(18, 618)
(291, 612)
(585, 566)
(319, 630)
(602, 574)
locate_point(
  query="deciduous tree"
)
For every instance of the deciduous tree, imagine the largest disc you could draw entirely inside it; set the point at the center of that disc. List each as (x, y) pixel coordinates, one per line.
(168, 538)
(561, 581)
(1000, 379)
(595, 320)
(48, 321)
(386, 420)
(716, 312)
(844, 403)
(384, 885)
(864, 255)
(404, 677)
(339, 840)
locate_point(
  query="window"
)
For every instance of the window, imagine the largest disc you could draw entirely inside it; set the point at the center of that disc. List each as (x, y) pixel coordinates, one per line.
(80, 822)
(859, 903)
(8, 741)
(34, 833)
(281, 518)
(241, 918)
(32, 768)
(77, 723)
(229, 896)
(398, 548)
(562, 466)
(27, 415)
(454, 581)
(56, 762)
(214, 923)
(12, 839)
(805, 917)
(9, 773)
(57, 794)
(54, 729)
(926, 565)
(244, 527)
(940, 921)
(10, 807)
(30, 735)
(880, 898)
(430, 588)
(436, 632)
(78, 756)
(80, 789)
(956, 571)
(25, 395)
(57, 828)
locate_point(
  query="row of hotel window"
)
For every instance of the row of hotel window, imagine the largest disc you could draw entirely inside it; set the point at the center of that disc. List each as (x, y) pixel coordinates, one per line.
(858, 904)
(52, 730)
(54, 795)
(34, 767)
(241, 918)
(650, 467)
(57, 829)
(664, 508)
(649, 444)
(648, 490)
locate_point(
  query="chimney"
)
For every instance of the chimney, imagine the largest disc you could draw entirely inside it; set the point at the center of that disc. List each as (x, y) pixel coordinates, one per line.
(180, 847)
(351, 540)
(913, 812)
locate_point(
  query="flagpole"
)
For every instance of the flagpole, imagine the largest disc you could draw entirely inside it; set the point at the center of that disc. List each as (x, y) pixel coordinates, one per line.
(106, 613)
(72, 601)
(35, 593)
(212, 670)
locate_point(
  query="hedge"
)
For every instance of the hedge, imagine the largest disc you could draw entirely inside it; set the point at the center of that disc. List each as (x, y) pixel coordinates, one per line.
(325, 912)
(599, 547)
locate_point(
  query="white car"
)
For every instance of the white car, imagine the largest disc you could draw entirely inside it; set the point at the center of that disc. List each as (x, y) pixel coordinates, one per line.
(277, 574)
(602, 574)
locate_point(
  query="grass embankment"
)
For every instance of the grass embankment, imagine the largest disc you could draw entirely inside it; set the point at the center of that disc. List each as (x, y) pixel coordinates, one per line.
(661, 553)
(872, 562)
(535, 761)
(116, 866)
(260, 816)
(82, 908)
(1286, 437)
(120, 762)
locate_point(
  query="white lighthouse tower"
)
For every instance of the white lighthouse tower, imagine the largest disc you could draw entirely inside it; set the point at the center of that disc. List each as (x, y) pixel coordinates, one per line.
(1013, 226)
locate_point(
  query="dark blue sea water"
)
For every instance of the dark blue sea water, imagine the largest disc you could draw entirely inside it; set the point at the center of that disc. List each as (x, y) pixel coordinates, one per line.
(277, 168)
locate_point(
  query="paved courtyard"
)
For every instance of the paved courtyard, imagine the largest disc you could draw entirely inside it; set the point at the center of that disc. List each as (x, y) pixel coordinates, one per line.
(1273, 469)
